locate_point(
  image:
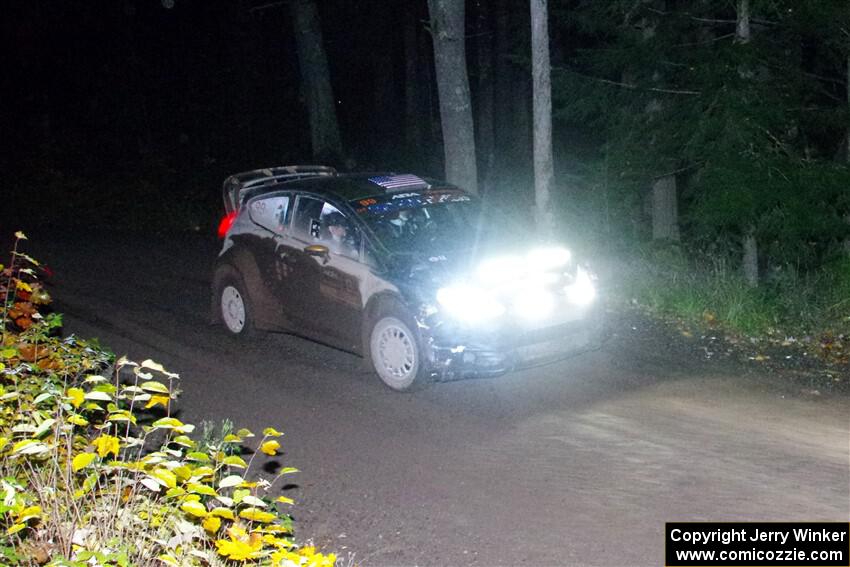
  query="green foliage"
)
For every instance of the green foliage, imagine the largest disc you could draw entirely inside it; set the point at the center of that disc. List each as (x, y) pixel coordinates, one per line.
(750, 130)
(710, 291)
(94, 469)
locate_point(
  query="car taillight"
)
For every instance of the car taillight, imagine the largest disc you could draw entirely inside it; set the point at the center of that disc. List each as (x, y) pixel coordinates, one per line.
(226, 223)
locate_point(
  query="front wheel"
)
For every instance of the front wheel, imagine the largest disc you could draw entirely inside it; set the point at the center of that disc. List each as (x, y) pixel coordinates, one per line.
(395, 354)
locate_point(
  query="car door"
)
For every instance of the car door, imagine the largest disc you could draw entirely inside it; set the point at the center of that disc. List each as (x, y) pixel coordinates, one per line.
(324, 295)
(270, 215)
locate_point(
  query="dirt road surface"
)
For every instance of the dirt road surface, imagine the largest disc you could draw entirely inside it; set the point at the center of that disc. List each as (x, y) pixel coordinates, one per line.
(578, 463)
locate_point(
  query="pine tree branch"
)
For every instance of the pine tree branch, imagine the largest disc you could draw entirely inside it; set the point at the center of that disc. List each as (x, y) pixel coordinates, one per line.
(707, 41)
(629, 86)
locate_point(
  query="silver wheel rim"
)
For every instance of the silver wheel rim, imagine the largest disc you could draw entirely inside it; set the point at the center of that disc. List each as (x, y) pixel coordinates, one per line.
(394, 352)
(233, 309)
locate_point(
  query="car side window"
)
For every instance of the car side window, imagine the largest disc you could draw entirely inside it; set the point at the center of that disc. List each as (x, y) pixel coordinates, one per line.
(319, 222)
(270, 212)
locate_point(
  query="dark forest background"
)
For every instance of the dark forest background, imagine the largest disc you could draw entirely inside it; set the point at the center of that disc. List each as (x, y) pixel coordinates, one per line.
(707, 135)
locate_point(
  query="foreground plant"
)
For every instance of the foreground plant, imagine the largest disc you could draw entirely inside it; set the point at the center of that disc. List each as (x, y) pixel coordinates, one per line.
(95, 470)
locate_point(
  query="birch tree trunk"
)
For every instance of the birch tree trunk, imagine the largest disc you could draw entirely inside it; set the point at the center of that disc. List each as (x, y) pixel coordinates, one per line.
(316, 82)
(544, 172)
(447, 28)
(846, 243)
(750, 264)
(750, 260)
(665, 221)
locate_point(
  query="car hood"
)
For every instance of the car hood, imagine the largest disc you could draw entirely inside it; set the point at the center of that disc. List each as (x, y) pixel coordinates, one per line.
(423, 273)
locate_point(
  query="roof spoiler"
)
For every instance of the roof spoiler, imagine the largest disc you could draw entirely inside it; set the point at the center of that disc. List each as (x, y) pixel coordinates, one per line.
(236, 185)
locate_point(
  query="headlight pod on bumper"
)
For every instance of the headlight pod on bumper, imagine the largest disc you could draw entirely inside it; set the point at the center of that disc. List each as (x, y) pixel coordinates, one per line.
(511, 312)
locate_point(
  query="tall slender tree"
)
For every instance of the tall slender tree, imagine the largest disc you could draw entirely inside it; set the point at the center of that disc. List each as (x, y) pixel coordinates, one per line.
(447, 30)
(316, 82)
(544, 171)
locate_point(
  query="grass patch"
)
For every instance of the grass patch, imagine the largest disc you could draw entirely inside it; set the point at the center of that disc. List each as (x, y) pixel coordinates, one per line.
(710, 291)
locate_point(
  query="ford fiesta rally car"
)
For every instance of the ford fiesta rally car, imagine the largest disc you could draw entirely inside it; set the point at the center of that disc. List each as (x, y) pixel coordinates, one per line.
(407, 272)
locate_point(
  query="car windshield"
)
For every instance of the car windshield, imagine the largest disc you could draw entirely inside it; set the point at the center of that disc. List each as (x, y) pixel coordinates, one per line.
(425, 222)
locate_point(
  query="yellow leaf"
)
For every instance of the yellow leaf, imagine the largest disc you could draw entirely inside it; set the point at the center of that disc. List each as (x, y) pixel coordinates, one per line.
(225, 513)
(81, 461)
(194, 508)
(203, 489)
(106, 444)
(23, 285)
(257, 515)
(270, 447)
(169, 560)
(77, 419)
(235, 461)
(284, 500)
(15, 529)
(166, 477)
(3, 442)
(161, 400)
(238, 550)
(271, 432)
(211, 523)
(77, 396)
(29, 513)
(20, 235)
(154, 386)
(244, 433)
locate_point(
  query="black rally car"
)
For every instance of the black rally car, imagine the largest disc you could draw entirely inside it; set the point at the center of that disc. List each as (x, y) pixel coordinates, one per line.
(407, 272)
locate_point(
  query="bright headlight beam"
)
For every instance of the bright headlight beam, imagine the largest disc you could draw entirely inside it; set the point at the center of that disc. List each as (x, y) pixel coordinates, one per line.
(535, 305)
(500, 269)
(548, 258)
(469, 303)
(581, 291)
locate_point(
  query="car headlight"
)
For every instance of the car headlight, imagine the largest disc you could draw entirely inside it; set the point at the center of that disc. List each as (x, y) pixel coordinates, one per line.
(581, 291)
(469, 304)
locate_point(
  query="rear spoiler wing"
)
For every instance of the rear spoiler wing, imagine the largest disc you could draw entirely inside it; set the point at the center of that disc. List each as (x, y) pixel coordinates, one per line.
(236, 185)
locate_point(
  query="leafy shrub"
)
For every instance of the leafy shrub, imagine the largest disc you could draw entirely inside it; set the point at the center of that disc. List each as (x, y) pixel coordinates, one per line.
(94, 469)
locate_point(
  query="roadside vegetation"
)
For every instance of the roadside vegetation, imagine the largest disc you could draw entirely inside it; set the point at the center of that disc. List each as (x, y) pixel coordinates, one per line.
(798, 320)
(96, 469)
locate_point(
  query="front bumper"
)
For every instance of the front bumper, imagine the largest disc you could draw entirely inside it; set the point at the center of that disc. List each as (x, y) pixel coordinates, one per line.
(456, 352)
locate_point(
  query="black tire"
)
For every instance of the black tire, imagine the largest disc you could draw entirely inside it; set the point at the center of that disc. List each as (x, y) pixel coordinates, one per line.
(394, 350)
(235, 310)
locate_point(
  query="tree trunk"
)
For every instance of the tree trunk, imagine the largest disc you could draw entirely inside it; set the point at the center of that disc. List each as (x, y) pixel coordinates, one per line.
(665, 224)
(316, 82)
(750, 263)
(544, 172)
(502, 90)
(447, 29)
(412, 99)
(485, 143)
(846, 242)
(742, 28)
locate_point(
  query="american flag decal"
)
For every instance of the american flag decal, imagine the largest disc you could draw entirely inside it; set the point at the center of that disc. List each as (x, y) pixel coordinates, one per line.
(392, 182)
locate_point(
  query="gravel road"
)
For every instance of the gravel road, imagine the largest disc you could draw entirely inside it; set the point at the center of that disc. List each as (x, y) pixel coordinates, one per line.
(577, 463)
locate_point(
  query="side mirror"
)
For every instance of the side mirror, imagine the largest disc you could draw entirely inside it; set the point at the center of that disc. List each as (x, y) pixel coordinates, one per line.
(318, 251)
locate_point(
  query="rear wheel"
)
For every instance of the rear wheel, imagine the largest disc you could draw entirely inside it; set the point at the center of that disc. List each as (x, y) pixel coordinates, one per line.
(395, 353)
(235, 308)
